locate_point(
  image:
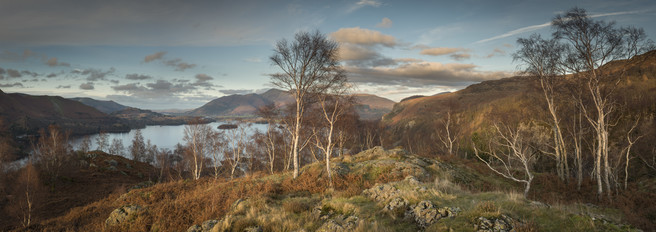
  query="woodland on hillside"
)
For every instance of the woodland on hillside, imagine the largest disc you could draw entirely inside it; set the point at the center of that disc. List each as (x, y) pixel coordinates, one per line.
(578, 126)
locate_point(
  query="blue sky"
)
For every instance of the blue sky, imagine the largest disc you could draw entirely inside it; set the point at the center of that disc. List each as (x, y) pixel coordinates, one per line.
(182, 54)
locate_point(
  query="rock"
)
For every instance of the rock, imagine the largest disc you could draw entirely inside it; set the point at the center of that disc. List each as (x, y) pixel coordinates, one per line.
(141, 185)
(411, 180)
(381, 192)
(123, 214)
(340, 168)
(396, 203)
(253, 229)
(501, 224)
(208, 225)
(195, 228)
(92, 165)
(112, 162)
(112, 168)
(347, 224)
(425, 213)
(319, 213)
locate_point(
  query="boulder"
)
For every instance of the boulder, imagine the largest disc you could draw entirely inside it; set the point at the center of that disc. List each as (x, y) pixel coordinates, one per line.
(425, 213)
(396, 203)
(502, 223)
(381, 192)
(123, 214)
(342, 224)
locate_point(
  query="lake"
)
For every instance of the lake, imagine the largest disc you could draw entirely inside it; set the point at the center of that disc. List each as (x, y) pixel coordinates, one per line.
(164, 136)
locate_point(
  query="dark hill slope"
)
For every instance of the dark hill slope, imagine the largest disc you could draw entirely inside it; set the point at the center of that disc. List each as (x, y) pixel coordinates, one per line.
(107, 107)
(233, 105)
(27, 114)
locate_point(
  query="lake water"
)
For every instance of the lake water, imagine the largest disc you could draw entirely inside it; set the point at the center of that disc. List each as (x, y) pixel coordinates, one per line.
(162, 136)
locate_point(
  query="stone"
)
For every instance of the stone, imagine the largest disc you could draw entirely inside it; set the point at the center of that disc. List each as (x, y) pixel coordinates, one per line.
(396, 203)
(502, 223)
(253, 229)
(381, 192)
(123, 214)
(112, 162)
(208, 225)
(195, 228)
(425, 213)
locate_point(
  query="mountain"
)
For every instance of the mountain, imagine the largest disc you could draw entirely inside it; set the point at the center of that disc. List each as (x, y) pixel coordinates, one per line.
(107, 107)
(233, 105)
(26, 114)
(372, 107)
(369, 106)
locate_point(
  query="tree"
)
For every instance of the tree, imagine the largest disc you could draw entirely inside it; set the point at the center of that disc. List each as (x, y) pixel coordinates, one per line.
(309, 65)
(270, 113)
(217, 143)
(85, 146)
(588, 45)
(542, 59)
(237, 141)
(197, 135)
(448, 132)
(102, 141)
(52, 150)
(117, 147)
(138, 147)
(511, 148)
(333, 104)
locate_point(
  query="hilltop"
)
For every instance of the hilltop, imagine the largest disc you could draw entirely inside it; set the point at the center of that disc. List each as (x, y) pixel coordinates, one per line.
(370, 107)
(107, 107)
(377, 189)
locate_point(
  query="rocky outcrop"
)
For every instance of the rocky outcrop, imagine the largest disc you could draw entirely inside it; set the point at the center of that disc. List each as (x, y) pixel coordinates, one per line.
(381, 192)
(123, 214)
(341, 223)
(396, 203)
(425, 213)
(206, 226)
(501, 224)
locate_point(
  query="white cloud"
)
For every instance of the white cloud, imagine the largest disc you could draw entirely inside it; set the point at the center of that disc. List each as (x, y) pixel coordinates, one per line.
(363, 3)
(385, 23)
(366, 37)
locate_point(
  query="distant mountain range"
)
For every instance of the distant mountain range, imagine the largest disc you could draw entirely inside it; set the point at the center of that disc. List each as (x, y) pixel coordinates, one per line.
(107, 107)
(368, 106)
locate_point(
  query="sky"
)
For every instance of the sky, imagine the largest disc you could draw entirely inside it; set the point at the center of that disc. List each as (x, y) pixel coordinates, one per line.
(170, 54)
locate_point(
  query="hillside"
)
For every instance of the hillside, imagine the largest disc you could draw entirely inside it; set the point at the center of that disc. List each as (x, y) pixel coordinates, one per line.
(368, 106)
(107, 107)
(140, 117)
(375, 190)
(372, 107)
(26, 114)
(233, 105)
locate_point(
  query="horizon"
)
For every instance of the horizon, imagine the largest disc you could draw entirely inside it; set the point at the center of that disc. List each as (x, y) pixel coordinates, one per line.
(166, 55)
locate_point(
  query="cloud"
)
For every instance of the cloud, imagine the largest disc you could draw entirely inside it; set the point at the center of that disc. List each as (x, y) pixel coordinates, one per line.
(2, 71)
(203, 77)
(156, 56)
(455, 53)
(422, 73)
(363, 37)
(29, 73)
(64, 87)
(87, 86)
(253, 60)
(385, 23)
(51, 75)
(94, 74)
(237, 91)
(135, 76)
(460, 56)
(13, 73)
(52, 62)
(177, 63)
(363, 3)
(440, 51)
(17, 84)
(354, 52)
(540, 26)
(496, 52)
(154, 90)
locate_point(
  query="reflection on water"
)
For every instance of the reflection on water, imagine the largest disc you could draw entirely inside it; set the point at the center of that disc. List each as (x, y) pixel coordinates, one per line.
(161, 136)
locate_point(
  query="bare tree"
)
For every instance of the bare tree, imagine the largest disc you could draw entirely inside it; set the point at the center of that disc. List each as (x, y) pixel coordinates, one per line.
(627, 151)
(52, 150)
(589, 45)
(197, 135)
(117, 147)
(334, 104)
(511, 149)
(27, 194)
(237, 140)
(542, 59)
(217, 144)
(85, 145)
(448, 132)
(270, 114)
(309, 65)
(138, 147)
(102, 141)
